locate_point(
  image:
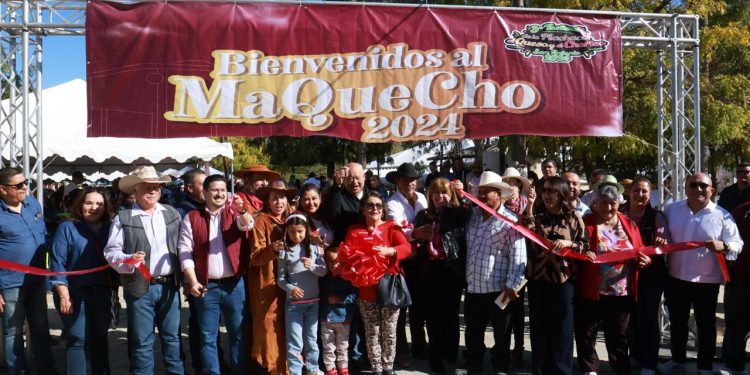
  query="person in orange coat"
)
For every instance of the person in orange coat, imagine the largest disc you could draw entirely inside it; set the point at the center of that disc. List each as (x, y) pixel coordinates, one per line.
(266, 300)
(605, 293)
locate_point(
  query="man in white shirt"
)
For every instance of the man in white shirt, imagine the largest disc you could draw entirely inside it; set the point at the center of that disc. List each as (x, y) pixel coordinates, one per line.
(210, 247)
(695, 275)
(574, 191)
(148, 232)
(403, 207)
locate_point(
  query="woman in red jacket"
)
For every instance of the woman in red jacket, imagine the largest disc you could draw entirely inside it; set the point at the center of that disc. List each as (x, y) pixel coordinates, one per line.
(605, 292)
(380, 322)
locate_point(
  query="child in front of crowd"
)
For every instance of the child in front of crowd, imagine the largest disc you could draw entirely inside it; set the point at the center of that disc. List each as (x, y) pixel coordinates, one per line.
(299, 268)
(337, 303)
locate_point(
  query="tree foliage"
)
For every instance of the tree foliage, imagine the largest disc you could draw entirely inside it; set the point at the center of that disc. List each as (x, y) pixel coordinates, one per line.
(725, 101)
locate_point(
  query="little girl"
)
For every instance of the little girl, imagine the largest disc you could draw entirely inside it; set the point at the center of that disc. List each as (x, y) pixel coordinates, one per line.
(299, 268)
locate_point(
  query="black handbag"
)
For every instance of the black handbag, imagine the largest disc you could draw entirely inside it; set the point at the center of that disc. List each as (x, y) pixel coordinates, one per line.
(393, 292)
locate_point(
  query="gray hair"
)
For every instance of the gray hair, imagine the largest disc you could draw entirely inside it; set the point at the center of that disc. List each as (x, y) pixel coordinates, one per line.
(609, 192)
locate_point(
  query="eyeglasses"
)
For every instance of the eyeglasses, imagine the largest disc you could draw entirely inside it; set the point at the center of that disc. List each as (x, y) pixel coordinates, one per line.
(702, 185)
(374, 206)
(19, 185)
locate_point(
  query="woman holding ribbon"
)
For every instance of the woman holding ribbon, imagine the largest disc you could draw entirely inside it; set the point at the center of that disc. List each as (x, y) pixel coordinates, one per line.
(445, 249)
(265, 299)
(84, 301)
(391, 246)
(644, 324)
(606, 292)
(550, 277)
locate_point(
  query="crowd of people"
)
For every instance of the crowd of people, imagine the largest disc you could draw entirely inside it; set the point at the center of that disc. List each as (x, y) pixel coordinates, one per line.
(268, 261)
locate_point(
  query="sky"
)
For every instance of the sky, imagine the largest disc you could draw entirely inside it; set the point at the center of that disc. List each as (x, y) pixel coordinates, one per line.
(63, 59)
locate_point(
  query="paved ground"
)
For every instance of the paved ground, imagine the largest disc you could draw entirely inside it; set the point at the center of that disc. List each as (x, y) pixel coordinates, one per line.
(119, 361)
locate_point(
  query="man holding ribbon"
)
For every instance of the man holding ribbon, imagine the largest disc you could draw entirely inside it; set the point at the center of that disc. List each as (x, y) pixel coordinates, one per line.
(23, 297)
(695, 275)
(148, 232)
(496, 261)
(213, 263)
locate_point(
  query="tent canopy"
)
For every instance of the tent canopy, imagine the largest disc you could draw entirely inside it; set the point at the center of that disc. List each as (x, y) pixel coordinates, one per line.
(66, 147)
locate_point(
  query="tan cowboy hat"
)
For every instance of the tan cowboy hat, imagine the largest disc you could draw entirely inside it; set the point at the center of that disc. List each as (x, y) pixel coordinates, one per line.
(493, 180)
(260, 169)
(144, 174)
(278, 185)
(609, 180)
(512, 173)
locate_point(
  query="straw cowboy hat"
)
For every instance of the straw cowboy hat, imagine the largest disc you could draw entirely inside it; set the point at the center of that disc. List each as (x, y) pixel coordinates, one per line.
(404, 170)
(145, 174)
(259, 169)
(512, 173)
(493, 180)
(609, 180)
(278, 185)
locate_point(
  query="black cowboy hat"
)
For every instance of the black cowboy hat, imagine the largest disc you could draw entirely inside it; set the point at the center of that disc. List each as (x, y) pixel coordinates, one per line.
(404, 170)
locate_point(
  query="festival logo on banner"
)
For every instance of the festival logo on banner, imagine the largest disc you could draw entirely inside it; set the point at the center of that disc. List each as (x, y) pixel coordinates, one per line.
(400, 93)
(555, 42)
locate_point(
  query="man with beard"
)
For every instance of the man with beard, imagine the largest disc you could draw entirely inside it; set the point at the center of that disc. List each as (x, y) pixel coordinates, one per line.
(210, 255)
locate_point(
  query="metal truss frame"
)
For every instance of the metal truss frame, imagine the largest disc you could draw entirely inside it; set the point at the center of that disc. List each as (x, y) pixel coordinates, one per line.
(673, 37)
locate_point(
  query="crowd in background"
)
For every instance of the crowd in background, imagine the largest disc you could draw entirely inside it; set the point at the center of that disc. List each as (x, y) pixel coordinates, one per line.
(267, 260)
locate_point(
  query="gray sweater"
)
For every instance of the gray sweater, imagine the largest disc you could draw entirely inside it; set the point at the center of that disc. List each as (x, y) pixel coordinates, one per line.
(293, 274)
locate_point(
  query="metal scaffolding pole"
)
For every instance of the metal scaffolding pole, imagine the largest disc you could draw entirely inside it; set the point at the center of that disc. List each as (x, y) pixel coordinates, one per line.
(674, 38)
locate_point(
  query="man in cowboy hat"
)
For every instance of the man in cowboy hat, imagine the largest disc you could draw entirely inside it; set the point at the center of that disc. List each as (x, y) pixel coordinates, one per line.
(403, 206)
(574, 191)
(148, 232)
(256, 176)
(210, 248)
(496, 261)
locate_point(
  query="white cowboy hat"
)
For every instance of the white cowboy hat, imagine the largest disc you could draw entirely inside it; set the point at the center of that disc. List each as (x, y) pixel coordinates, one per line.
(512, 173)
(493, 180)
(144, 174)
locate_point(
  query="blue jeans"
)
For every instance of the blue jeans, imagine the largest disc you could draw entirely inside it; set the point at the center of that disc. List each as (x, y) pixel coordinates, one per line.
(227, 298)
(302, 336)
(87, 329)
(159, 307)
(27, 302)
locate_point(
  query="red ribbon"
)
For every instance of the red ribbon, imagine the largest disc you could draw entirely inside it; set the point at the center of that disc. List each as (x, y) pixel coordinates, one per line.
(7, 265)
(614, 257)
(358, 262)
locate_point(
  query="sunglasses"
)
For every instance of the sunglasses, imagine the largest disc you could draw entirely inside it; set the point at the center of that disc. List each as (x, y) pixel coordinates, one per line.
(374, 206)
(702, 185)
(19, 185)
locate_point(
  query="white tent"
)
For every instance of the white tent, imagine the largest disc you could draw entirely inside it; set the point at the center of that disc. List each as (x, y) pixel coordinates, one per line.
(418, 154)
(66, 147)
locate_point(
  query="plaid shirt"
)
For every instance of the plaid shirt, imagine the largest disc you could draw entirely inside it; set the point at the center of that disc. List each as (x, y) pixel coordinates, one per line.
(496, 253)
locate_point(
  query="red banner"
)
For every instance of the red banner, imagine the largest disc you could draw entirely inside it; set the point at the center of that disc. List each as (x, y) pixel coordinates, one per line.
(362, 72)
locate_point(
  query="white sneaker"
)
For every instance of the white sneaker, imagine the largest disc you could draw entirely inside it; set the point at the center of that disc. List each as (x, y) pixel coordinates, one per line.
(589, 373)
(671, 367)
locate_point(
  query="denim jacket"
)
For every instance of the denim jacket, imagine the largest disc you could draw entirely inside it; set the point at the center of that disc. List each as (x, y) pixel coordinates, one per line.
(342, 312)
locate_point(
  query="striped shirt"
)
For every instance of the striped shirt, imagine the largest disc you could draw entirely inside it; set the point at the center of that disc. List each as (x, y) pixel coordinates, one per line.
(496, 253)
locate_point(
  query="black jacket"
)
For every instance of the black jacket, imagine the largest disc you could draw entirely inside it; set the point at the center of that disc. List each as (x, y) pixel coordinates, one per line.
(453, 231)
